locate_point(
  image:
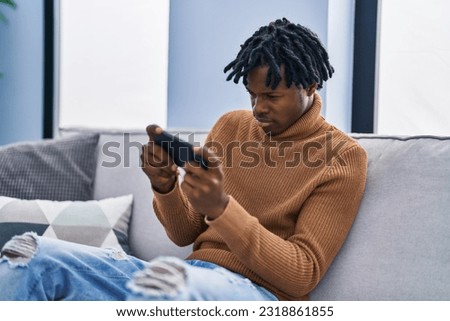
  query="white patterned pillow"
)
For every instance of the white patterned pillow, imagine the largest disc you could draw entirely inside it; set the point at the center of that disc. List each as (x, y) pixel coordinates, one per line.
(101, 223)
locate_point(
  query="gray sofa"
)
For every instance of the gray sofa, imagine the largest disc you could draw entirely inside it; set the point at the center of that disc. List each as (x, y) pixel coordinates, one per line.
(399, 245)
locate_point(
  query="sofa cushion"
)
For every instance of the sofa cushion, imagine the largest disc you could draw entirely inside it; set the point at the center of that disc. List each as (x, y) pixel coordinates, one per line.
(101, 223)
(57, 169)
(399, 245)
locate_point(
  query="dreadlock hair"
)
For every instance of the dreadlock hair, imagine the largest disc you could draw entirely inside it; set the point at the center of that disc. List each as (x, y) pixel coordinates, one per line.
(282, 42)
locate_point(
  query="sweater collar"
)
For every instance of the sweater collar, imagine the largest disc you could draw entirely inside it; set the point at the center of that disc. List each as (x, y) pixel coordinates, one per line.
(306, 125)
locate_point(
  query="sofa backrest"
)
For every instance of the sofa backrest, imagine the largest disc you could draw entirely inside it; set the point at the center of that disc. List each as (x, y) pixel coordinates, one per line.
(399, 245)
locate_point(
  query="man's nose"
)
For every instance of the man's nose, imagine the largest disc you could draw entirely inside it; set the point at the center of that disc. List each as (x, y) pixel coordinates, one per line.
(259, 107)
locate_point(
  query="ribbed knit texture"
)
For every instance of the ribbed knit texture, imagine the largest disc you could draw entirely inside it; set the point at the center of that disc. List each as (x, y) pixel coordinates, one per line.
(293, 200)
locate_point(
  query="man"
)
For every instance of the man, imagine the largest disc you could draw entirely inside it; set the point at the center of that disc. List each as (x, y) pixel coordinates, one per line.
(279, 222)
(269, 214)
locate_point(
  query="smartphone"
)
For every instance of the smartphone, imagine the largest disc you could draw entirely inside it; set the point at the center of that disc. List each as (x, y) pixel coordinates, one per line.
(180, 150)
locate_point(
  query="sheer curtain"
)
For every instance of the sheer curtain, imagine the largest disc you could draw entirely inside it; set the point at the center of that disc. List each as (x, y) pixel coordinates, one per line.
(113, 63)
(414, 68)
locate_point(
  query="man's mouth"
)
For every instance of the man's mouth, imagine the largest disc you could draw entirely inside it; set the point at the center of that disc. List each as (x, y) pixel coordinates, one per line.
(263, 121)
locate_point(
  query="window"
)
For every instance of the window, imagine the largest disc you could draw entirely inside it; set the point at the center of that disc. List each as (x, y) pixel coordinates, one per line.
(113, 63)
(414, 68)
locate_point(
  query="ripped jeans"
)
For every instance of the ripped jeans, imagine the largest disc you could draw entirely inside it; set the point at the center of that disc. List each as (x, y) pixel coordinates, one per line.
(39, 268)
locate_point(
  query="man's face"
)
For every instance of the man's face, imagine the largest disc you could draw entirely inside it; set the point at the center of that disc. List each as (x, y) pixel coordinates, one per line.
(275, 110)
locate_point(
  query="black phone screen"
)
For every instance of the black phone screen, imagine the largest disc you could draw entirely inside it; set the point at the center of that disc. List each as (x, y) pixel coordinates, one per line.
(180, 150)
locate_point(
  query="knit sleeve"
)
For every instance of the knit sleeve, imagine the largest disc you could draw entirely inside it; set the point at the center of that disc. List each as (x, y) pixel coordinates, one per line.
(181, 223)
(295, 265)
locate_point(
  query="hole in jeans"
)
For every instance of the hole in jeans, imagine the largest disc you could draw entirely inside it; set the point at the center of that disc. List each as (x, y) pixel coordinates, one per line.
(20, 249)
(161, 277)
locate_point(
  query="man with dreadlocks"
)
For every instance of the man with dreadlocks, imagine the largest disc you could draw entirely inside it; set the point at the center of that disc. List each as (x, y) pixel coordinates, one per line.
(266, 218)
(280, 206)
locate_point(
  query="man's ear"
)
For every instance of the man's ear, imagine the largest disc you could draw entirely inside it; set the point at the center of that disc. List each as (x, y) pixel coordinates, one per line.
(311, 89)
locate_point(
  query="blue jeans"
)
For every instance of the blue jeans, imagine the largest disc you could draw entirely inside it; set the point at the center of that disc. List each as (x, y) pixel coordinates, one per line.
(39, 268)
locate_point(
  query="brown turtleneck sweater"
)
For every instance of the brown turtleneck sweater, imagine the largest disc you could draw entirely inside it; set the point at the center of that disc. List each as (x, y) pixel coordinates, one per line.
(293, 199)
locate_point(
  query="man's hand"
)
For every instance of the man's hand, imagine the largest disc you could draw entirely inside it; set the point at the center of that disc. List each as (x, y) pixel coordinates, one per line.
(157, 164)
(204, 188)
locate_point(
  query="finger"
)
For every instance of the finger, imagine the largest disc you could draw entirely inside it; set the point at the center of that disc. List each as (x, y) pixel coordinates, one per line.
(200, 179)
(209, 156)
(155, 170)
(149, 157)
(192, 180)
(159, 172)
(161, 154)
(187, 188)
(153, 130)
(194, 169)
(156, 156)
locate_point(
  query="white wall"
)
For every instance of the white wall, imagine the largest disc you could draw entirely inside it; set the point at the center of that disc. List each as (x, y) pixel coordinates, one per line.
(414, 68)
(206, 35)
(113, 63)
